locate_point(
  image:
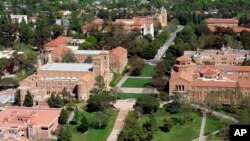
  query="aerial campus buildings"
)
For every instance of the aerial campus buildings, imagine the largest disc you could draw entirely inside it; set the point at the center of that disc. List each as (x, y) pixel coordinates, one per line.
(198, 80)
(77, 78)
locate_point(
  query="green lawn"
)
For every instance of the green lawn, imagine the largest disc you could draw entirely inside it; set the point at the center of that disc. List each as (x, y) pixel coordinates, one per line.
(137, 82)
(129, 95)
(188, 132)
(147, 70)
(93, 134)
(213, 124)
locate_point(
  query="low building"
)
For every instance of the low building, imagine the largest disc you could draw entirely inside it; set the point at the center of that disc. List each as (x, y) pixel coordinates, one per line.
(233, 23)
(77, 78)
(53, 44)
(217, 22)
(7, 96)
(19, 18)
(197, 81)
(225, 56)
(20, 123)
(144, 24)
(7, 54)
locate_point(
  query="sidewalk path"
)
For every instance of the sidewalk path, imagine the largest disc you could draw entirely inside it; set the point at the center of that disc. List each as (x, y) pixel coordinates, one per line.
(202, 130)
(218, 114)
(170, 41)
(124, 106)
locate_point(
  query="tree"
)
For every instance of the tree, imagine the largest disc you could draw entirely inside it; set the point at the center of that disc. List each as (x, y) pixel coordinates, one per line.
(88, 60)
(160, 69)
(63, 118)
(64, 133)
(136, 64)
(84, 126)
(173, 107)
(3, 63)
(148, 104)
(100, 102)
(167, 124)
(57, 30)
(100, 120)
(17, 100)
(28, 100)
(100, 84)
(65, 95)
(26, 33)
(159, 83)
(55, 101)
(133, 131)
(69, 57)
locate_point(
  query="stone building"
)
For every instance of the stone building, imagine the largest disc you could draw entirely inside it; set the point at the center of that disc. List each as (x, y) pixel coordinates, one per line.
(145, 24)
(232, 23)
(225, 56)
(25, 123)
(77, 78)
(196, 81)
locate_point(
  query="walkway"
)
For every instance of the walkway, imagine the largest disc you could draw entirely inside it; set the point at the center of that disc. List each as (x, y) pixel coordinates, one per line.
(124, 106)
(203, 123)
(217, 114)
(161, 51)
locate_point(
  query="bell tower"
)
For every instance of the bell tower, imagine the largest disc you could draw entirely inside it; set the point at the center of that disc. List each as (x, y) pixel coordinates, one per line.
(163, 17)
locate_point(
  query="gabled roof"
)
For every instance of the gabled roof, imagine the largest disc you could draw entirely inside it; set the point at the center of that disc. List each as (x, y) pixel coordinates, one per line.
(209, 71)
(119, 51)
(183, 59)
(58, 41)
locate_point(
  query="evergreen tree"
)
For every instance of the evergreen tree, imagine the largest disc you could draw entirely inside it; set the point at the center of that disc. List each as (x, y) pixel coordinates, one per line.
(63, 118)
(58, 103)
(64, 133)
(28, 100)
(51, 100)
(65, 94)
(26, 33)
(84, 126)
(17, 98)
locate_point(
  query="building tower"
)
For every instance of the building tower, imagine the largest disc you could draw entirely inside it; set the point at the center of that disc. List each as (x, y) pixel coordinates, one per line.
(163, 17)
(148, 27)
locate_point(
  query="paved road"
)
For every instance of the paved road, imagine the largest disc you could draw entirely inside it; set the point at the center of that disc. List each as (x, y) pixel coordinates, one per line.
(124, 106)
(203, 123)
(170, 42)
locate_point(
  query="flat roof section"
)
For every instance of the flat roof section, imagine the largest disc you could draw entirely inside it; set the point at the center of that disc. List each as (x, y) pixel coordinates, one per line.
(90, 52)
(67, 67)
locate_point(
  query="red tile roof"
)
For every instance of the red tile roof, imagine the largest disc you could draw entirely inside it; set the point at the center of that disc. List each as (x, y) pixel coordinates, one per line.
(209, 71)
(225, 84)
(182, 74)
(59, 51)
(183, 59)
(119, 51)
(40, 119)
(228, 68)
(98, 21)
(221, 21)
(235, 29)
(58, 41)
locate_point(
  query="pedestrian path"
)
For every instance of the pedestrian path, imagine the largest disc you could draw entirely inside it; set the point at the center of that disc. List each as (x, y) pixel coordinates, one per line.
(124, 106)
(202, 130)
